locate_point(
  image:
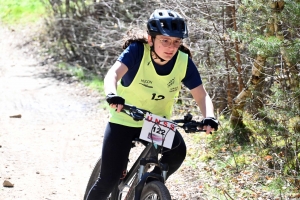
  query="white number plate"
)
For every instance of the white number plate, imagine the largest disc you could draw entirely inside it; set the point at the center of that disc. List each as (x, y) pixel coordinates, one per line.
(158, 129)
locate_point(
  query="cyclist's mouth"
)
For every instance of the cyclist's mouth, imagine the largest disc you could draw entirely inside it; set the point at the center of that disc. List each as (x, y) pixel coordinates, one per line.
(169, 54)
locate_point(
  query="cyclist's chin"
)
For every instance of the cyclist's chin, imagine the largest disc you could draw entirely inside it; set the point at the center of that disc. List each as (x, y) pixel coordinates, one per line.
(167, 57)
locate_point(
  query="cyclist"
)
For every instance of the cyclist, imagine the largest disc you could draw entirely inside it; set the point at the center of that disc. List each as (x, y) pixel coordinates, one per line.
(148, 74)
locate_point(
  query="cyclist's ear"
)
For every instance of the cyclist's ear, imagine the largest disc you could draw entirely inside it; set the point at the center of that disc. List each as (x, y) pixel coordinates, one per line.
(150, 40)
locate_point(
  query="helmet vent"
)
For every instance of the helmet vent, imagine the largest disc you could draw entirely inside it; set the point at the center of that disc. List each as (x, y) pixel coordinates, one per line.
(160, 13)
(171, 15)
(174, 26)
(164, 25)
(153, 24)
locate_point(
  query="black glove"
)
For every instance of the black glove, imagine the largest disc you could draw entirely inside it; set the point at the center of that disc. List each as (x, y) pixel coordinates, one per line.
(111, 98)
(211, 121)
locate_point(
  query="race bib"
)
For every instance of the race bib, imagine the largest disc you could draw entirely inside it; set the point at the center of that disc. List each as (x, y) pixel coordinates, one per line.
(159, 130)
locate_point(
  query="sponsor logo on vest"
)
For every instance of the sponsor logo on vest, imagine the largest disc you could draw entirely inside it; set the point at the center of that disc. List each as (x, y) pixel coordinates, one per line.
(174, 89)
(146, 83)
(171, 82)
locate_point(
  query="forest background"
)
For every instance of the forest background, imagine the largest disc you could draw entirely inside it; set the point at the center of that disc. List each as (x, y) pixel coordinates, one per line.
(247, 53)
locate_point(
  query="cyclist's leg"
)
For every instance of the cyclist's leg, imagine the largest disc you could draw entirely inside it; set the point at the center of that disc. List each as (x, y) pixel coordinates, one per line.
(117, 143)
(174, 157)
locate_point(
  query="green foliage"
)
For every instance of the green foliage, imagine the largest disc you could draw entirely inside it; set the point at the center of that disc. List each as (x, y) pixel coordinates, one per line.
(88, 78)
(292, 50)
(252, 16)
(21, 11)
(96, 83)
(230, 162)
(276, 185)
(78, 72)
(291, 13)
(276, 137)
(265, 46)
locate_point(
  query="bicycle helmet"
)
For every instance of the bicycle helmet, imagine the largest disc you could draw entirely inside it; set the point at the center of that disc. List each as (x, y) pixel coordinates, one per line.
(168, 23)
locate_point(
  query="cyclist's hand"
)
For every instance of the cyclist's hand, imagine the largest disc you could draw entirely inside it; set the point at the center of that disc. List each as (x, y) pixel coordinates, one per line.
(210, 124)
(115, 101)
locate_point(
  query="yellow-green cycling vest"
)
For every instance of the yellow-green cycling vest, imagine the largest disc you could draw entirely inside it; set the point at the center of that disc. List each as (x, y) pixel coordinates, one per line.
(151, 91)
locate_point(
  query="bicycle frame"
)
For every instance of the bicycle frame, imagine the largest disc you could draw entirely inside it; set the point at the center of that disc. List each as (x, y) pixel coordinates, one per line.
(148, 156)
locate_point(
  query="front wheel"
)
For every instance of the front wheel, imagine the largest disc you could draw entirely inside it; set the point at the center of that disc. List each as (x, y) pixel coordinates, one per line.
(155, 190)
(93, 178)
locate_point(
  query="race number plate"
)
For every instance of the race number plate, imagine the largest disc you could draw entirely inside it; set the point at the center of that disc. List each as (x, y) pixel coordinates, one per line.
(159, 130)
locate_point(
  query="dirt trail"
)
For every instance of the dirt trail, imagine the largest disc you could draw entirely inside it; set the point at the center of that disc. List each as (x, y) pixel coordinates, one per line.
(49, 152)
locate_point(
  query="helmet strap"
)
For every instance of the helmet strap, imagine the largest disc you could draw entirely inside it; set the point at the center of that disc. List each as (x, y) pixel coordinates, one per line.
(152, 49)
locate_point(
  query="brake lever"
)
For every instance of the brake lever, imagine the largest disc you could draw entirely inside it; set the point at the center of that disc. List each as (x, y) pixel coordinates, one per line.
(192, 127)
(134, 112)
(137, 115)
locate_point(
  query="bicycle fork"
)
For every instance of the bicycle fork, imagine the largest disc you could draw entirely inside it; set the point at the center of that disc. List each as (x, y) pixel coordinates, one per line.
(142, 176)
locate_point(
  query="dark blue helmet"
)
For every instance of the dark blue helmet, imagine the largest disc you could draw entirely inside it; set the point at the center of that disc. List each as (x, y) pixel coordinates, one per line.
(168, 23)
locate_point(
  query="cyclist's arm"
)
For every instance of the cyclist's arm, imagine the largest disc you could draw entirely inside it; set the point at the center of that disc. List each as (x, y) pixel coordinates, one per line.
(114, 74)
(204, 102)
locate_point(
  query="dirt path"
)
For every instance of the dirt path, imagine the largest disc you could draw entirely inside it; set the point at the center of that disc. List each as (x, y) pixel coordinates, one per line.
(48, 153)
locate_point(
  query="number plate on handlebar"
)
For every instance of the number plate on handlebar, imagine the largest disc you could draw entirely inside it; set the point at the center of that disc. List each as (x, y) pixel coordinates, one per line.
(159, 130)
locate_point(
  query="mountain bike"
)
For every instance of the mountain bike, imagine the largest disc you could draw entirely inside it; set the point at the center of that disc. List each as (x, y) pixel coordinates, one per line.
(135, 184)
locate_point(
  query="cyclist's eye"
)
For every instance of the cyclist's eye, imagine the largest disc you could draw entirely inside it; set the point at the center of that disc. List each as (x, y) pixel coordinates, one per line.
(165, 41)
(177, 42)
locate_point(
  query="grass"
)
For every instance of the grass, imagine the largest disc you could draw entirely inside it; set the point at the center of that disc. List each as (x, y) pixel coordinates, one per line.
(89, 79)
(96, 83)
(21, 11)
(233, 171)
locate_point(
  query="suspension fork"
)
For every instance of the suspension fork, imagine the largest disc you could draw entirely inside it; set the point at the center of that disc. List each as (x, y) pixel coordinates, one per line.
(135, 167)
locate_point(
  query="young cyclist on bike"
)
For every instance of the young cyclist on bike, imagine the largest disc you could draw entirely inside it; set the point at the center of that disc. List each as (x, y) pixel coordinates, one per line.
(148, 74)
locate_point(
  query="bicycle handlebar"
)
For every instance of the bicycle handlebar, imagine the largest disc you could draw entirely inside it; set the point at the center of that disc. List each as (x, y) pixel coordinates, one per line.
(187, 124)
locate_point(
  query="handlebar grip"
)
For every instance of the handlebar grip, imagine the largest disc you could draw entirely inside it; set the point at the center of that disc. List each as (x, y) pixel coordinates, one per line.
(128, 107)
(137, 114)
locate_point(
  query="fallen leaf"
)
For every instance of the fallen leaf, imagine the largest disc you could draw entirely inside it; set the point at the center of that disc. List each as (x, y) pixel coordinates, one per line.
(268, 157)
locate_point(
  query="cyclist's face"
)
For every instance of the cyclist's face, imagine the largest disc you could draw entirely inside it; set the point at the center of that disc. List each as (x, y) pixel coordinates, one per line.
(165, 46)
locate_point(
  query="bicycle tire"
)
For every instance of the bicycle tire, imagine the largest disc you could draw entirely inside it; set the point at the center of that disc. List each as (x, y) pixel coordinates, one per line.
(93, 178)
(155, 190)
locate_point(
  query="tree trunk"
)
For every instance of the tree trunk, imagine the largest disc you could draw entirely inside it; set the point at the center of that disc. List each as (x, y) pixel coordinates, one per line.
(237, 52)
(236, 118)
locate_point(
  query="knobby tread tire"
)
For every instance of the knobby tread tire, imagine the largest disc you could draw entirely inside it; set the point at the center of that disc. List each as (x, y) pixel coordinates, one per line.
(93, 178)
(158, 188)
